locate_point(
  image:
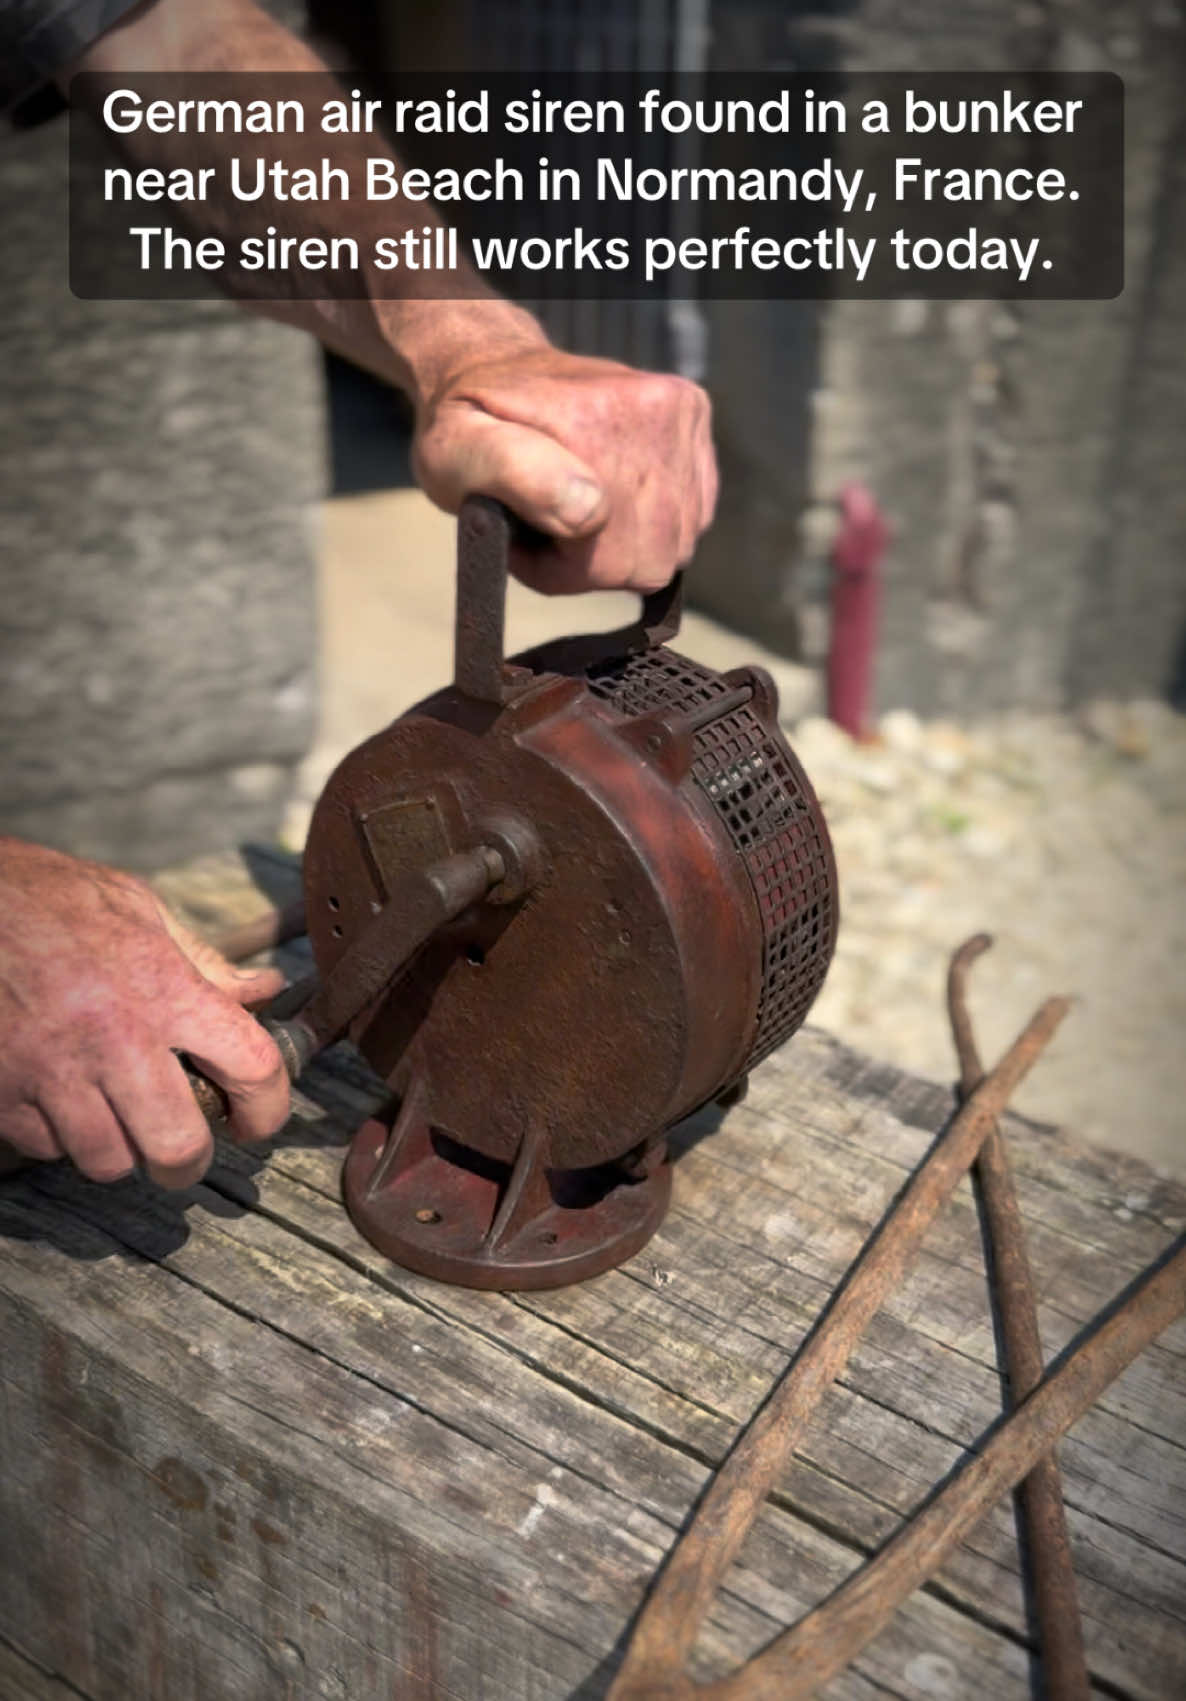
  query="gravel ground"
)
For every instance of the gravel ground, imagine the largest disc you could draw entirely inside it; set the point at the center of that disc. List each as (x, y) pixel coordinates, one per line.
(1062, 836)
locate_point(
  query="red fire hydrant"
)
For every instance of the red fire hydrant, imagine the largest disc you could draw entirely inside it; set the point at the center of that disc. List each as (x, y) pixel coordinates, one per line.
(856, 601)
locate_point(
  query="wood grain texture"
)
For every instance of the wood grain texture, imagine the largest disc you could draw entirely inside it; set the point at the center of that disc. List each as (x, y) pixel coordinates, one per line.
(20, 1677)
(248, 1458)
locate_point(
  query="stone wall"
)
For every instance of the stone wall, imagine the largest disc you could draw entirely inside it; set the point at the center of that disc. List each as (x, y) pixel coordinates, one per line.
(159, 462)
(156, 588)
(1028, 455)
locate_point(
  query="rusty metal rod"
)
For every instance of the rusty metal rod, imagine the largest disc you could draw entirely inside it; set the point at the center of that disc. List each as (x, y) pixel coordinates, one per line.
(669, 1621)
(1044, 1523)
(823, 1643)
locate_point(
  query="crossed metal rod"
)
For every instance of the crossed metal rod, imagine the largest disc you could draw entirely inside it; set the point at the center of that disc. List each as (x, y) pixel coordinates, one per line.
(1020, 1453)
(824, 1642)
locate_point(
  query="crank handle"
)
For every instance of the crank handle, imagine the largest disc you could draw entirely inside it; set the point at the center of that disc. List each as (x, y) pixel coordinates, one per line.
(416, 907)
(297, 1045)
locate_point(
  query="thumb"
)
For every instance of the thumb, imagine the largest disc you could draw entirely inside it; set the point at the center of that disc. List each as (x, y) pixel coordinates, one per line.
(245, 986)
(470, 452)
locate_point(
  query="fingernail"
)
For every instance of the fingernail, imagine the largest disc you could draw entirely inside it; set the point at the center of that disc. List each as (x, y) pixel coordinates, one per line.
(578, 504)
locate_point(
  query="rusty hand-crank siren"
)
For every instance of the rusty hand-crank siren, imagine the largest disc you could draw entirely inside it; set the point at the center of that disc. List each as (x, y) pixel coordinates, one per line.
(611, 891)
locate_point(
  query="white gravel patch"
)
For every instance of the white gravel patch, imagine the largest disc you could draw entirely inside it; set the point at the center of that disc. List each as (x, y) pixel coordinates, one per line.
(1063, 836)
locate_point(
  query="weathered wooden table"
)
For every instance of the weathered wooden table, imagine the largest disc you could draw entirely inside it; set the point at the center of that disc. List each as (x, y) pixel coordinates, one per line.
(244, 1457)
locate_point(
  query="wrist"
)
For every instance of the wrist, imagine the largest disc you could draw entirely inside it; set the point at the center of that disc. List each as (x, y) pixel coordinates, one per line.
(426, 343)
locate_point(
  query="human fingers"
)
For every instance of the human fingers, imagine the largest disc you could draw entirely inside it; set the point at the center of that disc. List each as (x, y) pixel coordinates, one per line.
(25, 1130)
(707, 469)
(240, 1056)
(467, 450)
(681, 492)
(245, 986)
(561, 571)
(159, 1114)
(86, 1128)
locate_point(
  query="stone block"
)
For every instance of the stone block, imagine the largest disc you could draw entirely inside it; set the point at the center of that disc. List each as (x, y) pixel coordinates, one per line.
(159, 468)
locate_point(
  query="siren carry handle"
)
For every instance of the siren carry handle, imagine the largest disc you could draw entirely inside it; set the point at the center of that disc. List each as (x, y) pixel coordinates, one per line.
(486, 532)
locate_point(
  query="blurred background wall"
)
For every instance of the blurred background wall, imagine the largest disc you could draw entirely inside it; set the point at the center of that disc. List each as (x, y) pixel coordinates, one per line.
(158, 471)
(1028, 455)
(157, 631)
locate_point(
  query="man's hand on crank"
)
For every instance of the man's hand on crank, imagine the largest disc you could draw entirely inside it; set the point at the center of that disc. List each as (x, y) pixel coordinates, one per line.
(99, 989)
(616, 465)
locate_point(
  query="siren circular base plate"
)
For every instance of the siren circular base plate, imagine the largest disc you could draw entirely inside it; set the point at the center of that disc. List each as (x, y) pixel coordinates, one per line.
(447, 1213)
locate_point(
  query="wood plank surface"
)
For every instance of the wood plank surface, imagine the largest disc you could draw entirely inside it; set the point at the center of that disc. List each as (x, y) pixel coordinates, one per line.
(246, 1457)
(20, 1677)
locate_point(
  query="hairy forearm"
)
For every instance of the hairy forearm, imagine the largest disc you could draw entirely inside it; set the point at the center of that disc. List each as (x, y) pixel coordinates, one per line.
(413, 342)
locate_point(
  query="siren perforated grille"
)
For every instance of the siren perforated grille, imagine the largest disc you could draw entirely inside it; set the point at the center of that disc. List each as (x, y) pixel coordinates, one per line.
(766, 804)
